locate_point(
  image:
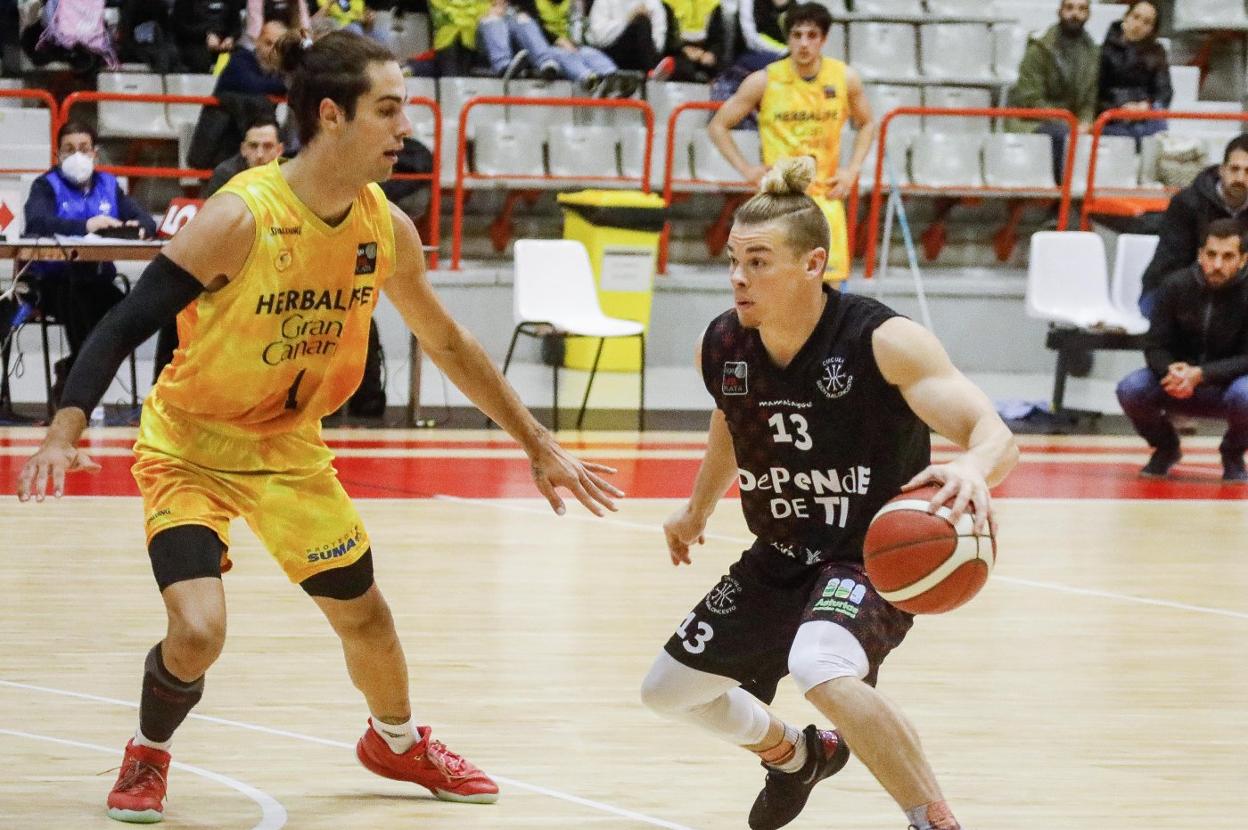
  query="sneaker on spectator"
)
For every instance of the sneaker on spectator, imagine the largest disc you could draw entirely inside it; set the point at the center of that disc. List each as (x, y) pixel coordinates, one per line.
(515, 66)
(663, 70)
(548, 72)
(1233, 470)
(626, 83)
(1162, 460)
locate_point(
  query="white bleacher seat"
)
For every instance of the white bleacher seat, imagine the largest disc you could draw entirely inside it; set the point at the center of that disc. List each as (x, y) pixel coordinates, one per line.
(503, 147)
(1185, 81)
(1034, 16)
(834, 6)
(887, 97)
(1132, 255)
(665, 97)
(962, 7)
(25, 139)
(545, 116)
(883, 50)
(411, 34)
(422, 119)
(946, 160)
(1018, 160)
(583, 151)
(834, 46)
(710, 165)
(11, 83)
(1117, 165)
(961, 97)
(956, 50)
(1101, 16)
(1209, 15)
(1208, 127)
(889, 7)
(179, 114)
(1009, 43)
(421, 87)
(453, 92)
(123, 119)
(632, 147)
(897, 157)
(1068, 282)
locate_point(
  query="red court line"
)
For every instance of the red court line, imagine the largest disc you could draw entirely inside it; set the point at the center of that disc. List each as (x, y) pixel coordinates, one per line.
(665, 478)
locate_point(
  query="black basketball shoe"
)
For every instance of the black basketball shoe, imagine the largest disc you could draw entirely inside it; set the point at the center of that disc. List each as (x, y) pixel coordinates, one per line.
(784, 794)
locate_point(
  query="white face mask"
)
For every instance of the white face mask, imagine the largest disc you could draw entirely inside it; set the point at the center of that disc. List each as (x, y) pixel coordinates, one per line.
(78, 167)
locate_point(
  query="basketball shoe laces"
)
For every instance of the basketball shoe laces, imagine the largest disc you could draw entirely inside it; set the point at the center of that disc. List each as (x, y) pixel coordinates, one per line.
(447, 762)
(137, 777)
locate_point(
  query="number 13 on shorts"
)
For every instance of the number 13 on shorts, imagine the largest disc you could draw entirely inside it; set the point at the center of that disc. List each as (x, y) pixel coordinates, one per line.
(694, 640)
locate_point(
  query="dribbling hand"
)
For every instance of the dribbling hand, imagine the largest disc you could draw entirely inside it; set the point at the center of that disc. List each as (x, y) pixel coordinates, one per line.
(962, 486)
(682, 529)
(554, 467)
(55, 460)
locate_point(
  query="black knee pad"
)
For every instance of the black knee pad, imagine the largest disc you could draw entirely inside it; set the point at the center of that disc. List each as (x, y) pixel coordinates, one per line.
(185, 552)
(348, 582)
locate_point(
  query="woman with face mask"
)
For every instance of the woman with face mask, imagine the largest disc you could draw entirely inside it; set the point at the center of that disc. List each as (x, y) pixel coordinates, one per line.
(74, 199)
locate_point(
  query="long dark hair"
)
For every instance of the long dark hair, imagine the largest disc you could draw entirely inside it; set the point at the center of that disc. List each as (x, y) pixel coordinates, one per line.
(334, 67)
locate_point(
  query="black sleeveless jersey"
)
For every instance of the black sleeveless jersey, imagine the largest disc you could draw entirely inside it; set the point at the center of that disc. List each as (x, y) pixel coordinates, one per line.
(822, 443)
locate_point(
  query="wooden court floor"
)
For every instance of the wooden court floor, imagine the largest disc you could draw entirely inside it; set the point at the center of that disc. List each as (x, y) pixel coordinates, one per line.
(1100, 682)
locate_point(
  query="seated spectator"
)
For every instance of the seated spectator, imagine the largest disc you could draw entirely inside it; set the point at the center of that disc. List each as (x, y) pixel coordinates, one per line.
(66, 32)
(511, 37)
(703, 39)
(292, 13)
(73, 199)
(1197, 355)
(10, 26)
(261, 144)
(204, 30)
(352, 16)
(145, 35)
(242, 89)
(1219, 192)
(455, 34)
(1059, 71)
(760, 32)
(635, 35)
(1135, 74)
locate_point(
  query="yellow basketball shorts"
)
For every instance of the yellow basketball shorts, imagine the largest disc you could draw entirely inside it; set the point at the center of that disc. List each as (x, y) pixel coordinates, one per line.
(284, 486)
(838, 248)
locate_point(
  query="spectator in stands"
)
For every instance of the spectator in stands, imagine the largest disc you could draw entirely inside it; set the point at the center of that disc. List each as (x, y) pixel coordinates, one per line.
(352, 16)
(1135, 73)
(761, 33)
(74, 199)
(638, 35)
(204, 30)
(703, 39)
(511, 37)
(292, 13)
(455, 34)
(10, 26)
(146, 35)
(1059, 71)
(261, 144)
(1197, 355)
(1219, 192)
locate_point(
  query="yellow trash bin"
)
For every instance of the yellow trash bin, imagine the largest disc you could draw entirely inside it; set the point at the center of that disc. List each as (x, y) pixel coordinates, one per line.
(620, 229)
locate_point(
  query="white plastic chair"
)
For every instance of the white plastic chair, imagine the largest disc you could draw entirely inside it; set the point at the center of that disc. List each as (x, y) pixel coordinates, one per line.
(545, 116)
(946, 160)
(834, 46)
(883, 50)
(125, 119)
(961, 97)
(632, 146)
(25, 140)
(1185, 81)
(582, 151)
(1117, 165)
(1009, 43)
(504, 148)
(887, 7)
(1068, 283)
(554, 294)
(1100, 17)
(1018, 160)
(886, 97)
(897, 156)
(180, 114)
(834, 6)
(1209, 15)
(956, 50)
(962, 7)
(1131, 258)
(710, 165)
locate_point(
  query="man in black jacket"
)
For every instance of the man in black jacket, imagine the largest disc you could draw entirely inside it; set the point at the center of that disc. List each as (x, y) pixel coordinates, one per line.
(1197, 355)
(1219, 192)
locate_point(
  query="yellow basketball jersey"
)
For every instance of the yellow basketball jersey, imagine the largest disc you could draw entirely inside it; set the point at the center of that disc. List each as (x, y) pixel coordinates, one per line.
(283, 344)
(799, 117)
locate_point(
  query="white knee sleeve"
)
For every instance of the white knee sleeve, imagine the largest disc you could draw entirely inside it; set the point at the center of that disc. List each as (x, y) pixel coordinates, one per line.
(709, 701)
(824, 651)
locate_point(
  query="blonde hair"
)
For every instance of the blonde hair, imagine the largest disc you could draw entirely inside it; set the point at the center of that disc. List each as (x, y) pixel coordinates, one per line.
(782, 198)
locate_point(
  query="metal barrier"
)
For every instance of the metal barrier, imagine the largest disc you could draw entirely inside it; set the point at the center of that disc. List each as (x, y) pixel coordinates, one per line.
(1090, 202)
(461, 156)
(877, 188)
(46, 98)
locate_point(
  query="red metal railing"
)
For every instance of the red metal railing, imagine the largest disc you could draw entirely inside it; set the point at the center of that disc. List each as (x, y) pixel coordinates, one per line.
(435, 190)
(1098, 126)
(50, 102)
(877, 190)
(461, 155)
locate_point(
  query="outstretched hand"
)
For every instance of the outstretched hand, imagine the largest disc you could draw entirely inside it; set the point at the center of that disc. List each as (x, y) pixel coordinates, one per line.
(52, 460)
(554, 467)
(961, 485)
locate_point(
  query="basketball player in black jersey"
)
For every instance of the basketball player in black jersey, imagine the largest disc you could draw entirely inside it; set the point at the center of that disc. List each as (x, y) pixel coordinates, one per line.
(823, 406)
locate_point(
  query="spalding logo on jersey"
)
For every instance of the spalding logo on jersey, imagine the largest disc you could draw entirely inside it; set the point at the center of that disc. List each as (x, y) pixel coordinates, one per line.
(365, 258)
(736, 378)
(835, 381)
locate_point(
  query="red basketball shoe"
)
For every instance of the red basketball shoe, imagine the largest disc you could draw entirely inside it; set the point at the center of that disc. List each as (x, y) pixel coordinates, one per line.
(430, 764)
(139, 794)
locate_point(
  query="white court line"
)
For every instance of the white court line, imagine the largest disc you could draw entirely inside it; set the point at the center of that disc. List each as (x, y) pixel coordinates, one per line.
(272, 813)
(1030, 583)
(511, 782)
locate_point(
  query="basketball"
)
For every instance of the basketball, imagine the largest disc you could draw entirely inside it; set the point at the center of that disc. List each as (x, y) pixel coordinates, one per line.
(920, 561)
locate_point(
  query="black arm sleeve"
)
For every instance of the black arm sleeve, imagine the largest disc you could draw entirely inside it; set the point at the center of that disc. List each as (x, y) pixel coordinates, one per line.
(163, 290)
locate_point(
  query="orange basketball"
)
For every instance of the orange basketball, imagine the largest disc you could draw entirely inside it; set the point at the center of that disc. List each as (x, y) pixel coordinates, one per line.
(920, 561)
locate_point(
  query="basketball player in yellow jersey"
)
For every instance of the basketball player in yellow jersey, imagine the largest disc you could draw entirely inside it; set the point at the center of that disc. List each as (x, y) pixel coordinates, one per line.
(804, 100)
(273, 284)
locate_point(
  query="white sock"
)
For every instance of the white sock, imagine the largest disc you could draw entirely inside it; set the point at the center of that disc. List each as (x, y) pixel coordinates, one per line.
(799, 751)
(141, 740)
(399, 736)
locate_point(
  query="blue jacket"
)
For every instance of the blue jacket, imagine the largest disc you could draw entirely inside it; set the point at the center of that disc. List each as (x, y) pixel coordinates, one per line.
(57, 206)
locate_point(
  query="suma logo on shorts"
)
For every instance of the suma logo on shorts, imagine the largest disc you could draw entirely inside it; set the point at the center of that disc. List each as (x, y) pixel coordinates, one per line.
(342, 547)
(723, 597)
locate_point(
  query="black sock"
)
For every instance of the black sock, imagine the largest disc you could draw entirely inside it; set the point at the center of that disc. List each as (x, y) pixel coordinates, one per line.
(166, 700)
